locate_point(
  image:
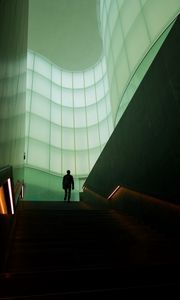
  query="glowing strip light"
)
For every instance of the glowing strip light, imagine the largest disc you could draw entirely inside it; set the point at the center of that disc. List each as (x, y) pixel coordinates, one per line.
(2, 207)
(22, 192)
(1, 204)
(117, 188)
(10, 195)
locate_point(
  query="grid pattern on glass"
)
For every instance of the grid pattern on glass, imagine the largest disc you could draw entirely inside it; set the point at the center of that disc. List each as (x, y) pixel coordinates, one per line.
(66, 113)
(129, 29)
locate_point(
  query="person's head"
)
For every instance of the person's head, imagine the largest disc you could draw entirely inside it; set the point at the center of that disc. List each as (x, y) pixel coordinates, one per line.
(68, 171)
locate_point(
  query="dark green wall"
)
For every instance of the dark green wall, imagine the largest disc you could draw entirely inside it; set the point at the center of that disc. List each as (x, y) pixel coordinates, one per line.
(13, 54)
(143, 153)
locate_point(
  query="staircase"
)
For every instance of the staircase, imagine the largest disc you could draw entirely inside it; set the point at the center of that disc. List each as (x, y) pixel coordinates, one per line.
(61, 250)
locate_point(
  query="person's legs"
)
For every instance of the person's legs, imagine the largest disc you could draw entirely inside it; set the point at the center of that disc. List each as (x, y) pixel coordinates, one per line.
(65, 194)
(69, 194)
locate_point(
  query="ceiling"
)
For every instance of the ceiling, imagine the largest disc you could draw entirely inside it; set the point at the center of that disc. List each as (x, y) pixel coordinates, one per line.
(65, 31)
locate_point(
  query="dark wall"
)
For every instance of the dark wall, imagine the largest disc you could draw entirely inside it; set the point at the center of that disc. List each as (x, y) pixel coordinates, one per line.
(143, 153)
(13, 57)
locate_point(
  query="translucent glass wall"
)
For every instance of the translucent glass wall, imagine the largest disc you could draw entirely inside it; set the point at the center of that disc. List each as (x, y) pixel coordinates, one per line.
(12, 114)
(68, 116)
(130, 31)
(13, 56)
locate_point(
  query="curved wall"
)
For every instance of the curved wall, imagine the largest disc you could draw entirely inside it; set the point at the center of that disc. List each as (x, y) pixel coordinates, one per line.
(142, 153)
(68, 116)
(129, 29)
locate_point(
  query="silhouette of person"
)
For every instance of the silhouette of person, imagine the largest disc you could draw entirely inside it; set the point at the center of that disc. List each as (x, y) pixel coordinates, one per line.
(68, 183)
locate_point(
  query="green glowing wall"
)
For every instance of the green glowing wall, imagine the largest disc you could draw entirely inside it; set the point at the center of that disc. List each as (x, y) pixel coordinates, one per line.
(13, 53)
(69, 114)
(128, 30)
(68, 120)
(143, 152)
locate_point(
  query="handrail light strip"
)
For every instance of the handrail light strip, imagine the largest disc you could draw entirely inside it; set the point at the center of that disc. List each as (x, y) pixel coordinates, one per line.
(114, 191)
(10, 195)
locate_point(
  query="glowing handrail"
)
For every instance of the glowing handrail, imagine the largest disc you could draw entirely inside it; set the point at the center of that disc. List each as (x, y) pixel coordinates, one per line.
(113, 192)
(10, 195)
(7, 193)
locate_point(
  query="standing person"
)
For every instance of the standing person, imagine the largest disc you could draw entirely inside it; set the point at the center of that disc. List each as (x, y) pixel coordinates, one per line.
(68, 183)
